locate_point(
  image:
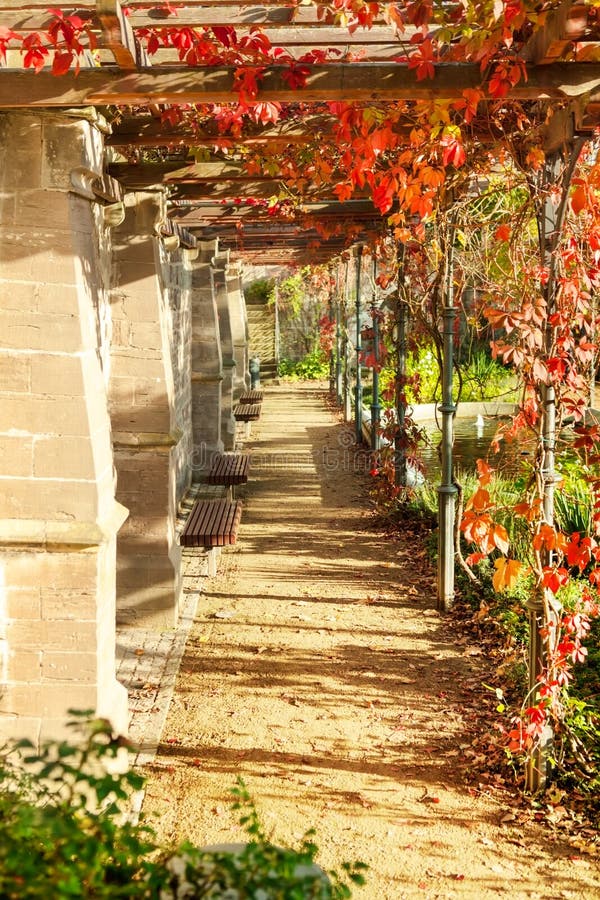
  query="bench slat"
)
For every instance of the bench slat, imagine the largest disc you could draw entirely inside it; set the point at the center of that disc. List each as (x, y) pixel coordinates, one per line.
(212, 523)
(246, 412)
(229, 469)
(252, 397)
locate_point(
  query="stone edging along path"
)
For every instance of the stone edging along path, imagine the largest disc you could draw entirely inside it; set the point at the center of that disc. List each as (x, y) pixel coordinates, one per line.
(318, 669)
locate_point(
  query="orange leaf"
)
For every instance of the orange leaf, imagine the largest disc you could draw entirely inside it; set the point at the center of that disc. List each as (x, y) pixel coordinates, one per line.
(506, 574)
(579, 199)
(480, 500)
(500, 538)
(485, 472)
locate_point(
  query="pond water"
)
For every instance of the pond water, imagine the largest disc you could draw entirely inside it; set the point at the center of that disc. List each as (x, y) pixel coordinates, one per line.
(470, 444)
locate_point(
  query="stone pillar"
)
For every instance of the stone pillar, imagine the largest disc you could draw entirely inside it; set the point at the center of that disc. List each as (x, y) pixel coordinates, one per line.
(142, 408)
(219, 279)
(176, 283)
(207, 364)
(239, 330)
(58, 514)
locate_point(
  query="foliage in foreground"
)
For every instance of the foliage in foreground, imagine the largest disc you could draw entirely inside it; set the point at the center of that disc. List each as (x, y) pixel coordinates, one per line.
(575, 758)
(64, 833)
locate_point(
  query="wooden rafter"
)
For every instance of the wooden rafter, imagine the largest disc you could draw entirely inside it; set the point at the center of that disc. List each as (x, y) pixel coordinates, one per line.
(356, 82)
(117, 34)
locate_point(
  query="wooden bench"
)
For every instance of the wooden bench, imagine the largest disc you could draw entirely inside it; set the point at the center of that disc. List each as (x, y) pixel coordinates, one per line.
(229, 469)
(252, 397)
(246, 412)
(212, 524)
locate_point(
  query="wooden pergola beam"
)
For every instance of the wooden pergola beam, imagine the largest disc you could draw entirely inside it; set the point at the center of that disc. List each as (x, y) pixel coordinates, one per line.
(117, 34)
(370, 82)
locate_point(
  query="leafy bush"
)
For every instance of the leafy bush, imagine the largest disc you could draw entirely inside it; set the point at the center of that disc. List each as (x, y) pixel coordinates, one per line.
(314, 365)
(482, 378)
(64, 833)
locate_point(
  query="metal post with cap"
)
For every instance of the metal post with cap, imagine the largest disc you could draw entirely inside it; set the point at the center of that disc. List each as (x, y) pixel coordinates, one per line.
(359, 391)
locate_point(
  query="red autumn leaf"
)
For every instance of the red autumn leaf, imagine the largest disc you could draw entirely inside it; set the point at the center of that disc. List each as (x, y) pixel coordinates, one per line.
(503, 233)
(454, 152)
(553, 579)
(62, 63)
(579, 199)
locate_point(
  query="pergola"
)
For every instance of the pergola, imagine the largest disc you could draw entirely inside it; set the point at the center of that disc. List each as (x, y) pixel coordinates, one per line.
(201, 171)
(359, 65)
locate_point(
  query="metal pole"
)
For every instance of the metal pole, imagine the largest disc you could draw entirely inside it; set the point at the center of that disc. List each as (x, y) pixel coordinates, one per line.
(401, 349)
(358, 396)
(447, 489)
(375, 405)
(338, 341)
(332, 381)
(346, 346)
(558, 170)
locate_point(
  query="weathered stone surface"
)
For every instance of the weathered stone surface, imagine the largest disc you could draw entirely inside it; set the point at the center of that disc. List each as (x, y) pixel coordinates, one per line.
(219, 281)
(150, 399)
(206, 365)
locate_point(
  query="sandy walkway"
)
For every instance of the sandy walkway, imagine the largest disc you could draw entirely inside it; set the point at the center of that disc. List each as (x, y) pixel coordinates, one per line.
(320, 671)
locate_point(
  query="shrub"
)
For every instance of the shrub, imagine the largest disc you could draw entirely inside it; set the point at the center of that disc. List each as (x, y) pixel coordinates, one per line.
(65, 833)
(314, 365)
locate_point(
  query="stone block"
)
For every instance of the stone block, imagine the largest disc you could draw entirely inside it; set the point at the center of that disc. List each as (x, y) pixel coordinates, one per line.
(146, 336)
(63, 457)
(51, 635)
(39, 256)
(69, 667)
(45, 499)
(57, 375)
(21, 169)
(69, 605)
(39, 331)
(33, 207)
(53, 299)
(34, 415)
(14, 373)
(16, 456)
(58, 570)
(150, 390)
(127, 363)
(67, 145)
(23, 603)
(20, 727)
(24, 665)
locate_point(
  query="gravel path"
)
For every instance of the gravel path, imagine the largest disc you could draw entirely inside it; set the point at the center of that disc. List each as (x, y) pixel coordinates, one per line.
(319, 670)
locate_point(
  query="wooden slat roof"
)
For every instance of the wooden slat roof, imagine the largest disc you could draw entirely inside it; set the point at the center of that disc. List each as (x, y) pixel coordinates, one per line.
(562, 57)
